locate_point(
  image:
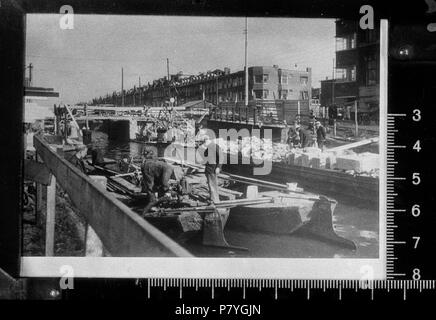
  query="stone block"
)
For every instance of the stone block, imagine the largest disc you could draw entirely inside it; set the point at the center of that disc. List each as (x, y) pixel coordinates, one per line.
(348, 162)
(315, 162)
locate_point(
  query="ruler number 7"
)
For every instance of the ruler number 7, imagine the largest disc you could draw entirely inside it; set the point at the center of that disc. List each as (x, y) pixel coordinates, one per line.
(415, 246)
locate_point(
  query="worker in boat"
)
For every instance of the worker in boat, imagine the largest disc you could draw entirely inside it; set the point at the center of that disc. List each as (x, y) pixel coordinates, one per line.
(212, 168)
(155, 178)
(96, 156)
(303, 136)
(198, 127)
(79, 157)
(293, 139)
(320, 134)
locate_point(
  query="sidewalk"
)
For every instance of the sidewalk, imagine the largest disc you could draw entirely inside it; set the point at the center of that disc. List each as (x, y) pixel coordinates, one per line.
(351, 125)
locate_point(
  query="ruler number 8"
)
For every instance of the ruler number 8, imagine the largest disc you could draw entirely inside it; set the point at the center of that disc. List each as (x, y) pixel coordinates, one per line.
(416, 115)
(416, 274)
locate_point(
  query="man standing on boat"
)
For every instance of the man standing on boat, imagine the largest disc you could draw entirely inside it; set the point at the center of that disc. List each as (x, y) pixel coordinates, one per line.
(212, 168)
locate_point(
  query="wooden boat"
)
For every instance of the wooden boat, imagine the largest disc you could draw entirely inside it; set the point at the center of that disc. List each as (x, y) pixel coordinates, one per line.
(274, 209)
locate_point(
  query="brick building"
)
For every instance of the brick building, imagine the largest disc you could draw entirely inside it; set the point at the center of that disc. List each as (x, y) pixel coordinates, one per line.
(356, 72)
(265, 83)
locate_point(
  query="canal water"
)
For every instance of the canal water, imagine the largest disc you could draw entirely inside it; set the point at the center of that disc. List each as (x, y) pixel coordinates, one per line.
(355, 223)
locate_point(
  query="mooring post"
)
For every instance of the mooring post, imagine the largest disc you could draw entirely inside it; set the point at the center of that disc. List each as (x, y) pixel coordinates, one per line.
(50, 218)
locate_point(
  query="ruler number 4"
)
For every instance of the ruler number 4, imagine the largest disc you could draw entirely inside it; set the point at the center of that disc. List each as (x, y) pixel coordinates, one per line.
(417, 146)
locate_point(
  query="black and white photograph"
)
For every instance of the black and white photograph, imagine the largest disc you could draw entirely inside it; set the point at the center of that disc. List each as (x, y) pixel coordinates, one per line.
(204, 146)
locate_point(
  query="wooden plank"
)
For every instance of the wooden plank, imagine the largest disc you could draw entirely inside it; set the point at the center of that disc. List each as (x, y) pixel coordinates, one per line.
(354, 144)
(50, 218)
(122, 231)
(36, 171)
(125, 184)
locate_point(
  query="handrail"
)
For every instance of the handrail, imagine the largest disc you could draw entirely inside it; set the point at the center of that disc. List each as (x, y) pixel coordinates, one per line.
(122, 231)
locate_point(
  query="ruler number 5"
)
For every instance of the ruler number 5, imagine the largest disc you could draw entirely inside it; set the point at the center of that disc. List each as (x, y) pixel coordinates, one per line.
(416, 179)
(416, 115)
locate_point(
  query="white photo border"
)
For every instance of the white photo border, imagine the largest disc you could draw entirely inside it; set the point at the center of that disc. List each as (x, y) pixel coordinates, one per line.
(240, 268)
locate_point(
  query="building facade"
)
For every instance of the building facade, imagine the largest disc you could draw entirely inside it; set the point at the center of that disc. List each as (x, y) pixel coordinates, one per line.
(265, 83)
(356, 72)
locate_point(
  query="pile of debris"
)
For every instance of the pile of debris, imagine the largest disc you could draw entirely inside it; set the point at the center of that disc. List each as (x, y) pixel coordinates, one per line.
(346, 160)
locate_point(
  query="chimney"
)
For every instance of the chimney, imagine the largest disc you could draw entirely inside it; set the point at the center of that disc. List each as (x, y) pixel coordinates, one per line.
(226, 70)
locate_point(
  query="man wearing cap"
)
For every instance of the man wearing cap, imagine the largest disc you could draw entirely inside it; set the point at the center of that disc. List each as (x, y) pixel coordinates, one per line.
(303, 136)
(320, 134)
(155, 178)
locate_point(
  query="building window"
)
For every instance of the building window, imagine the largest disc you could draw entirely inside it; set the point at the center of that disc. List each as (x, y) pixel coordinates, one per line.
(371, 70)
(284, 94)
(265, 94)
(304, 95)
(258, 94)
(346, 74)
(261, 78)
(369, 36)
(304, 79)
(346, 43)
(353, 74)
(284, 79)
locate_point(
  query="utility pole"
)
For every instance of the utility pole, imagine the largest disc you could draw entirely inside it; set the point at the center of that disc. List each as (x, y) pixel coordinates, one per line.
(30, 74)
(333, 83)
(355, 118)
(122, 87)
(168, 78)
(140, 91)
(246, 69)
(217, 96)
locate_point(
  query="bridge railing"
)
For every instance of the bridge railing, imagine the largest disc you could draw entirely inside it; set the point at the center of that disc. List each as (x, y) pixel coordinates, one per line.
(122, 231)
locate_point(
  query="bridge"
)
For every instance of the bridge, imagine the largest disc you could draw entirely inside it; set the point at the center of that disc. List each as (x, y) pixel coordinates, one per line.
(126, 122)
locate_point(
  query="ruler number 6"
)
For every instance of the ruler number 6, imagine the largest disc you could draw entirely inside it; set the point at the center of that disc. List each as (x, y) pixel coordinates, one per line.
(416, 115)
(416, 211)
(416, 179)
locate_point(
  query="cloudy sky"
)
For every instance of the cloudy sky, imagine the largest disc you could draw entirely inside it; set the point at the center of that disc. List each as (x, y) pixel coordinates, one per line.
(86, 62)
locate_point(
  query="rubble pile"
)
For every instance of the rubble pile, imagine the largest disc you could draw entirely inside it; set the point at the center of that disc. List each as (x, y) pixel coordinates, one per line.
(362, 164)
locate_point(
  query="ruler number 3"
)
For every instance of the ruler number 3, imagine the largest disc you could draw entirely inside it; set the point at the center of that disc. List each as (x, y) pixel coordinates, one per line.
(416, 115)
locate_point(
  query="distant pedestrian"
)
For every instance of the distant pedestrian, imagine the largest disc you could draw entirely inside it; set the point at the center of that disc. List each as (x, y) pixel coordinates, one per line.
(303, 136)
(320, 134)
